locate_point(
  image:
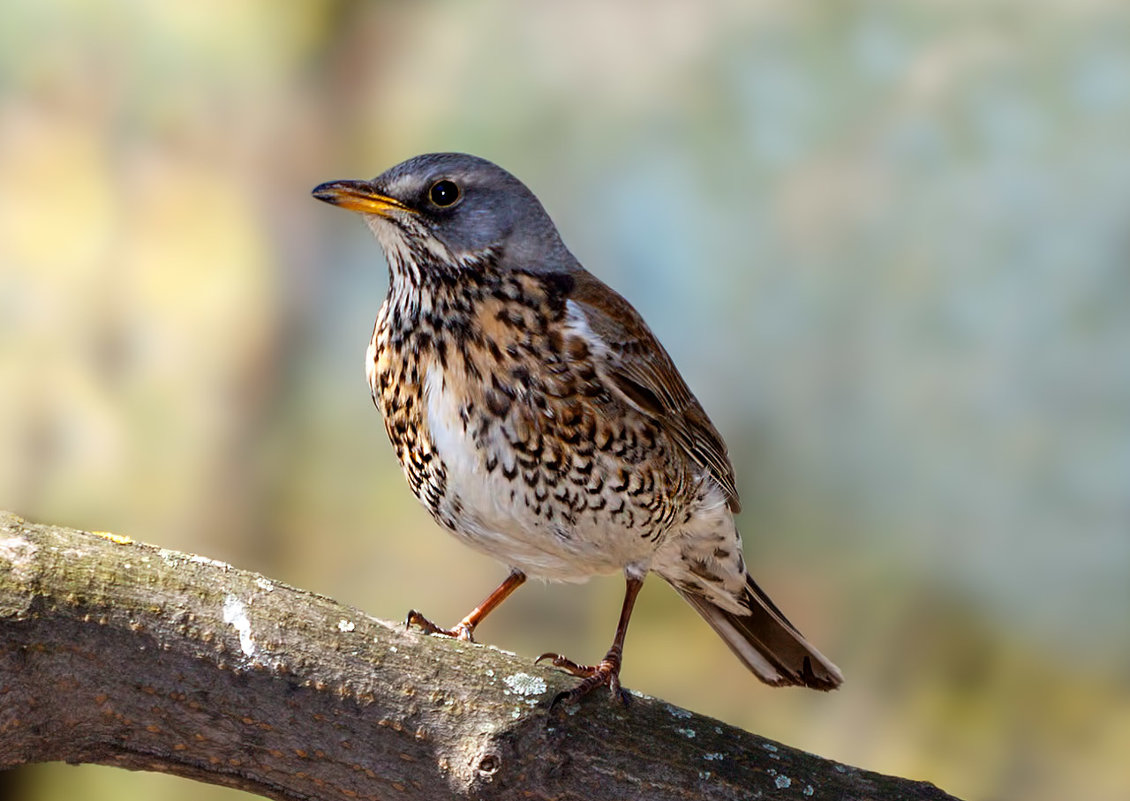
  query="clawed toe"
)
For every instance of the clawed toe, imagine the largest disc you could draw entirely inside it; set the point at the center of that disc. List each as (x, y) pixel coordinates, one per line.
(460, 631)
(607, 673)
(565, 663)
(465, 628)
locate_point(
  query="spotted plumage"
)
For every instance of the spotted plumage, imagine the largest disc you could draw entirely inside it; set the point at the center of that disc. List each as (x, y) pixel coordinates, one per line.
(540, 421)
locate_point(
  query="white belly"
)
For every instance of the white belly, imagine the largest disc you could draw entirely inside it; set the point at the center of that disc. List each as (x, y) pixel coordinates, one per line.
(500, 516)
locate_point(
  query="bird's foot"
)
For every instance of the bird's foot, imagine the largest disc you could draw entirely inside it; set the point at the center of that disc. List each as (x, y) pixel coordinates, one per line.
(460, 631)
(605, 674)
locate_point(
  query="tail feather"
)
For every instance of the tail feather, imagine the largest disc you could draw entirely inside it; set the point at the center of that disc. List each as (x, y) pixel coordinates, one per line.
(767, 642)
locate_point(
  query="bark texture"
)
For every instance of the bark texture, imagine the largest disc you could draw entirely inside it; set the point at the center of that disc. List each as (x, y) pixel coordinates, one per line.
(121, 653)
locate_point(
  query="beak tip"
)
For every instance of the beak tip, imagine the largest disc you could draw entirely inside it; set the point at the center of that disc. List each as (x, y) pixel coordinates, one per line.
(325, 193)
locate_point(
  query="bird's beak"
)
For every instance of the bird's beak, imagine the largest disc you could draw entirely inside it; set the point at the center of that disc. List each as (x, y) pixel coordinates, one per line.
(358, 196)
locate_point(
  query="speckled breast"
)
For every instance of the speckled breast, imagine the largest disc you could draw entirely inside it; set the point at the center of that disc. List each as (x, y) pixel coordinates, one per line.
(510, 437)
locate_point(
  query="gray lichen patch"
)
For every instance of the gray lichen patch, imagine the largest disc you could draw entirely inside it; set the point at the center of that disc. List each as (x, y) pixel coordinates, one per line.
(18, 564)
(204, 560)
(19, 554)
(525, 684)
(676, 712)
(177, 559)
(500, 650)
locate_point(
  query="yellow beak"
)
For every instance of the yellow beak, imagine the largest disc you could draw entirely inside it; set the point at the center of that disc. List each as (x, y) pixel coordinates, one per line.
(358, 196)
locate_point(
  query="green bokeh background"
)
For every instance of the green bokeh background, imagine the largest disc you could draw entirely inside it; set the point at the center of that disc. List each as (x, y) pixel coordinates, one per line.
(888, 244)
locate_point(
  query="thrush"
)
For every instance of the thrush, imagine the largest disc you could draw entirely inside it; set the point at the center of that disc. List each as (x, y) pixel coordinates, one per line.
(540, 421)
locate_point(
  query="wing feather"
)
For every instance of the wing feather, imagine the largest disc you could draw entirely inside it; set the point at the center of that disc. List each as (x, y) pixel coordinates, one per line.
(634, 362)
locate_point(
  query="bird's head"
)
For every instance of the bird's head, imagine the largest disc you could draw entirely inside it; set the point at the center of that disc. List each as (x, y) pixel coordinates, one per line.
(451, 211)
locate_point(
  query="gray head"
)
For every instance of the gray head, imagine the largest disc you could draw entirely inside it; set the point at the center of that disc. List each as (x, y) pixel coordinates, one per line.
(451, 210)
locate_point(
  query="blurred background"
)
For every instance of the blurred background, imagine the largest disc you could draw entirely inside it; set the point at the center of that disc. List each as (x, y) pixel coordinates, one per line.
(888, 244)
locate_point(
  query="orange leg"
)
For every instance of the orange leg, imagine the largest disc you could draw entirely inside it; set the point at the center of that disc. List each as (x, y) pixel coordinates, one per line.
(465, 628)
(608, 671)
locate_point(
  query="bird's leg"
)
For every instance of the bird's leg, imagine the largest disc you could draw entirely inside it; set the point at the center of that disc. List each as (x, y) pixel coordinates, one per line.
(465, 628)
(607, 672)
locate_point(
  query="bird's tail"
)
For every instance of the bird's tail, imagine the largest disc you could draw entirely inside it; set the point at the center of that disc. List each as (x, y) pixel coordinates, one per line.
(767, 642)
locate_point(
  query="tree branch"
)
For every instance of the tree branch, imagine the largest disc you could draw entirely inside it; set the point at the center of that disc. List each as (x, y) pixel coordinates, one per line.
(126, 654)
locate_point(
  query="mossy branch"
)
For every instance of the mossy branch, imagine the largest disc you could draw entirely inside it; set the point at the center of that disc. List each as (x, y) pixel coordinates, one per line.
(120, 653)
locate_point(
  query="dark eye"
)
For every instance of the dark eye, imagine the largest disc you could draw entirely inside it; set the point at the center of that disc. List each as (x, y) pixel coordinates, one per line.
(443, 193)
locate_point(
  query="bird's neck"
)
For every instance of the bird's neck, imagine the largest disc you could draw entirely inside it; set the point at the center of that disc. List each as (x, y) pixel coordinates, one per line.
(429, 291)
(430, 306)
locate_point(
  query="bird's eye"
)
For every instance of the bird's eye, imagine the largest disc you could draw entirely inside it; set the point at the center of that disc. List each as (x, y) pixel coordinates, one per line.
(443, 193)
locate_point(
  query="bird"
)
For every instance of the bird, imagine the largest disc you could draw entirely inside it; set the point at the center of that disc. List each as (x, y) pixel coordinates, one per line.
(539, 420)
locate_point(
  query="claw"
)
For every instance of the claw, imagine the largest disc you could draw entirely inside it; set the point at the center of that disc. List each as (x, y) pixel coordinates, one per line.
(460, 631)
(607, 673)
(564, 662)
(575, 695)
(465, 628)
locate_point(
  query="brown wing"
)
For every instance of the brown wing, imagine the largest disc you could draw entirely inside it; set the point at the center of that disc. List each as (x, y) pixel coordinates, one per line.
(638, 366)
